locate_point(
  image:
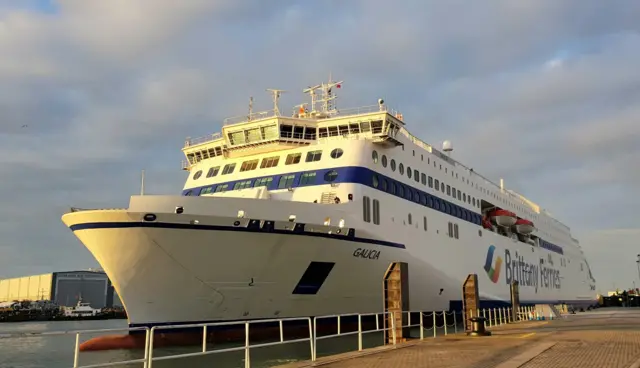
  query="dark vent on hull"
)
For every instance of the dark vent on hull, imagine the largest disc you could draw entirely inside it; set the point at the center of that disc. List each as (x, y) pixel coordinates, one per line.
(313, 278)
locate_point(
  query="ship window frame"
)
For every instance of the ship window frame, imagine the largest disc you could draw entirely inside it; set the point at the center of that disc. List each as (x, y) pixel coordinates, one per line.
(313, 156)
(401, 169)
(330, 176)
(213, 171)
(374, 156)
(392, 164)
(249, 165)
(293, 158)
(409, 219)
(424, 223)
(308, 178)
(286, 184)
(409, 172)
(375, 181)
(366, 209)
(197, 175)
(229, 168)
(456, 233)
(384, 161)
(430, 181)
(336, 153)
(269, 162)
(263, 182)
(376, 212)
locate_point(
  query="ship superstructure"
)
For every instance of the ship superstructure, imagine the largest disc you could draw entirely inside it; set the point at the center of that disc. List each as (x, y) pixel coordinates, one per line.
(301, 215)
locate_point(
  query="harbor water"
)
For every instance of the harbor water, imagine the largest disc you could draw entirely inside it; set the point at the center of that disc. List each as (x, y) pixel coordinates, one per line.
(57, 351)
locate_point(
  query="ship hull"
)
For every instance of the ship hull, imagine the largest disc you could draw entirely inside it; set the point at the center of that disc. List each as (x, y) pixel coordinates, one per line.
(193, 267)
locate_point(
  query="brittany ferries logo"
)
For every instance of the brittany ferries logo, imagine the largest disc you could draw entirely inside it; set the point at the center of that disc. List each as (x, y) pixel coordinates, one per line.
(493, 272)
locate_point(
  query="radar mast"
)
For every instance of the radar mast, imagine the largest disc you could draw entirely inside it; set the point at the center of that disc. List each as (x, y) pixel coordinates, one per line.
(276, 96)
(327, 98)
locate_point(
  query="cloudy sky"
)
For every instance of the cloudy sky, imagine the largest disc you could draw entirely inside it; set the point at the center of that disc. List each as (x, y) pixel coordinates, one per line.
(542, 93)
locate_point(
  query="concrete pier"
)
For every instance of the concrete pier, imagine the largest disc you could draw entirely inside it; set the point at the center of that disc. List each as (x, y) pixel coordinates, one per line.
(602, 338)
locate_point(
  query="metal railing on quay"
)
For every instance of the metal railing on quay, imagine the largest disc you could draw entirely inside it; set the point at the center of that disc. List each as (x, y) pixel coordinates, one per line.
(247, 344)
(76, 351)
(442, 323)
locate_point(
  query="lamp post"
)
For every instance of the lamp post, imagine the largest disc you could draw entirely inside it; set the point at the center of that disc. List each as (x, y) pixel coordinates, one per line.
(638, 265)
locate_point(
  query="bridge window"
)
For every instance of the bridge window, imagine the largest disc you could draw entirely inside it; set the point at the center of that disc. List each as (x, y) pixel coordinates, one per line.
(313, 156)
(384, 160)
(337, 153)
(213, 171)
(331, 176)
(242, 185)
(374, 156)
(393, 165)
(269, 162)
(249, 165)
(263, 182)
(376, 212)
(308, 178)
(197, 175)
(401, 169)
(293, 158)
(366, 209)
(409, 172)
(286, 181)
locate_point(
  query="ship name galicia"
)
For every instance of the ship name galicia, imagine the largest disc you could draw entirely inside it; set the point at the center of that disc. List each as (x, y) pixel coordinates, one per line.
(366, 253)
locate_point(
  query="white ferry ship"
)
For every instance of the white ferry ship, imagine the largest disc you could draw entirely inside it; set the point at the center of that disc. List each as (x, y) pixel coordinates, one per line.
(302, 215)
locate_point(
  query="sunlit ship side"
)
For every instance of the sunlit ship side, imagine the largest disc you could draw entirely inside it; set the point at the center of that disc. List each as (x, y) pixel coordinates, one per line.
(301, 215)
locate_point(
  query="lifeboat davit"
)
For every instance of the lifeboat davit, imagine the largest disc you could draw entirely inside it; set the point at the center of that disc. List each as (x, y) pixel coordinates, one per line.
(503, 217)
(524, 226)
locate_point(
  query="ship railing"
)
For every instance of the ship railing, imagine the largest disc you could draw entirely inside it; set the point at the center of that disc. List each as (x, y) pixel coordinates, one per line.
(247, 344)
(207, 138)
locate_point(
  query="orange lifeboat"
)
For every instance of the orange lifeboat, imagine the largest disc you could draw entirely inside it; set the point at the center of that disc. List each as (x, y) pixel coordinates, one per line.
(524, 226)
(503, 217)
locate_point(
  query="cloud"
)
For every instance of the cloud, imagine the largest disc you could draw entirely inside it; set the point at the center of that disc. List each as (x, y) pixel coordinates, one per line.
(91, 92)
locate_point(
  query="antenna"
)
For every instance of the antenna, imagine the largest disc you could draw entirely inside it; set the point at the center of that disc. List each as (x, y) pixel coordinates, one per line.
(276, 96)
(142, 183)
(250, 108)
(312, 92)
(328, 97)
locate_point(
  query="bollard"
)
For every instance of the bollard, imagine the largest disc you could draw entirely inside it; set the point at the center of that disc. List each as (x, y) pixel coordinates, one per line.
(477, 327)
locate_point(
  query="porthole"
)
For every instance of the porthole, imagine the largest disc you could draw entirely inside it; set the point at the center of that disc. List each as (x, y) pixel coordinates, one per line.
(337, 153)
(409, 171)
(331, 176)
(401, 169)
(149, 217)
(374, 156)
(384, 160)
(393, 165)
(375, 181)
(197, 175)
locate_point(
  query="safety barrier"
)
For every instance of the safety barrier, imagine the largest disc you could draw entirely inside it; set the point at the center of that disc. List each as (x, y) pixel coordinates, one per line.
(447, 322)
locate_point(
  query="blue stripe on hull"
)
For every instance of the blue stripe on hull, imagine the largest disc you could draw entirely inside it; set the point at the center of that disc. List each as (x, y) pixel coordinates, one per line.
(168, 225)
(365, 176)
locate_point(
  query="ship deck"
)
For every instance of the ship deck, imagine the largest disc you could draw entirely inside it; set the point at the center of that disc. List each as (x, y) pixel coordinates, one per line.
(608, 337)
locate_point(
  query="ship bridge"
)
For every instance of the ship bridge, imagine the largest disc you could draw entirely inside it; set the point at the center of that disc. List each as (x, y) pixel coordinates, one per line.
(270, 131)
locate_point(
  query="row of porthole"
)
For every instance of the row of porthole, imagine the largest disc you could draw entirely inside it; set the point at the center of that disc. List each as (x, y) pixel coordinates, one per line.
(335, 154)
(416, 177)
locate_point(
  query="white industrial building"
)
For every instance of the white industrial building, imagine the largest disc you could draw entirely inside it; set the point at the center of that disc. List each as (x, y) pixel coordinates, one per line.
(62, 288)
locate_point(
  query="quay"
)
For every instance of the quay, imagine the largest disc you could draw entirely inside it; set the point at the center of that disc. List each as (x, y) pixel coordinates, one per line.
(607, 337)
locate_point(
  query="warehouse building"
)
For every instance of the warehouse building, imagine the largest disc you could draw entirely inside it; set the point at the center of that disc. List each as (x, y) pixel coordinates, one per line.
(62, 288)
